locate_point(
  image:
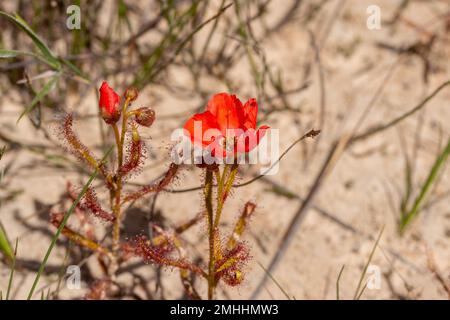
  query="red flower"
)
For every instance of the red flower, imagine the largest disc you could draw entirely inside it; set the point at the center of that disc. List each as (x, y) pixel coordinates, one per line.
(109, 104)
(227, 126)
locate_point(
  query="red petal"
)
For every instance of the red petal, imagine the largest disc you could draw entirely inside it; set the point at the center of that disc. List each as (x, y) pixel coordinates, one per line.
(250, 139)
(228, 111)
(109, 99)
(216, 148)
(203, 122)
(250, 112)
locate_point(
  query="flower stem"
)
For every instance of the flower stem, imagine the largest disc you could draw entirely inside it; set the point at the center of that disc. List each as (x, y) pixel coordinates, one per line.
(120, 141)
(220, 184)
(224, 183)
(210, 214)
(223, 189)
(117, 137)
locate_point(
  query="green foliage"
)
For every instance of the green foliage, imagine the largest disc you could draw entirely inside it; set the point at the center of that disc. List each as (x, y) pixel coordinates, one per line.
(409, 215)
(5, 245)
(62, 225)
(46, 54)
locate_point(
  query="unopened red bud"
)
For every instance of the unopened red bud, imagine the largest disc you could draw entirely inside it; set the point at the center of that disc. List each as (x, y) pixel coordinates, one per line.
(131, 94)
(145, 116)
(109, 104)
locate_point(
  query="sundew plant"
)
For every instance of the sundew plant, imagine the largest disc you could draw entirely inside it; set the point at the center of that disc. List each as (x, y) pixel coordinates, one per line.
(224, 150)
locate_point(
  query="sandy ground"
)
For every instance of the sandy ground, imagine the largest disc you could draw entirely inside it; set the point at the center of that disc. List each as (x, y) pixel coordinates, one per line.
(363, 190)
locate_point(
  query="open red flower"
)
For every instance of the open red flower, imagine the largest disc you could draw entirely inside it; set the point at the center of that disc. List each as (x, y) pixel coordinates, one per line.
(226, 127)
(109, 104)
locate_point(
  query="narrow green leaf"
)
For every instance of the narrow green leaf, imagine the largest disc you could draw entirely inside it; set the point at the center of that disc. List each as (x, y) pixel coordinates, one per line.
(5, 246)
(5, 53)
(76, 70)
(39, 96)
(13, 267)
(418, 202)
(62, 225)
(22, 24)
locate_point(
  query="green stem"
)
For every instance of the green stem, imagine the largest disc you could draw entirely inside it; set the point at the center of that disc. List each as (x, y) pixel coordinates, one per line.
(209, 210)
(120, 141)
(224, 184)
(220, 186)
(124, 128)
(117, 137)
(223, 189)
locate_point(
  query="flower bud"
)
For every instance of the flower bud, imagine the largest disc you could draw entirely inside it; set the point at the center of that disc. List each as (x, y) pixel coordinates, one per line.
(109, 104)
(145, 116)
(131, 94)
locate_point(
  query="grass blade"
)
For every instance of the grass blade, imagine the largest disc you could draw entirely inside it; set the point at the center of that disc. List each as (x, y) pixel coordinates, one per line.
(360, 291)
(440, 160)
(276, 282)
(338, 281)
(5, 54)
(46, 52)
(76, 70)
(39, 96)
(5, 245)
(62, 225)
(11, 275)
